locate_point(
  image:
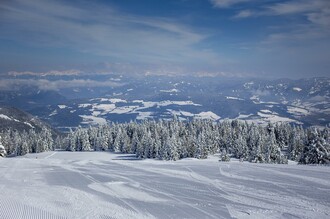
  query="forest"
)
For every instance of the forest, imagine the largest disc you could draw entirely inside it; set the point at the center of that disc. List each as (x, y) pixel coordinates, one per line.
(174, 139)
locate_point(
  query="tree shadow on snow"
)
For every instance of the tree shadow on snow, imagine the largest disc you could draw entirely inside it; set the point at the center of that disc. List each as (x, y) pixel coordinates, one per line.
(126, 157)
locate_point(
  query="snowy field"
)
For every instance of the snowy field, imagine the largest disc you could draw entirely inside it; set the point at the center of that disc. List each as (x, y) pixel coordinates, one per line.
(105, 185)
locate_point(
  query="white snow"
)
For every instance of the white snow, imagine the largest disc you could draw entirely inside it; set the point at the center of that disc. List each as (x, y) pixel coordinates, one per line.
(105, 185)
(96, 113)
(115, 79)
(84, 105)
(144, 115)
(248, 84)
(207, 115)
(104, 107)
(270, 102)
(53, 113)
(201, 115)
(29, 124)
(233, 98)
(185, 113)
(275, 118)
(124, 109)
(117, 100)
(117, 94)
(297, 89)
(243, 116)
(170, 91)
(135, 109)
(255, 97)
(297, 111)
(62, 106)
(2, 116)
(93, 120)
(268, 111)
(181, 103)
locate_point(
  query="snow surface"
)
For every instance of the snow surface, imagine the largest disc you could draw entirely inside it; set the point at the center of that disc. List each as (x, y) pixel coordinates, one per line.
(233, 98)
(207, 115)
(84, 105)
(62, 106)
(243, 116)
(297, 89)
(144, 115)
(297, 111)
(29, 124)
(181, 113)
(53, 113)
(201, 115)
(181, 103)
(274, 118)
(104, 108)
(2, 116)
(268, 111)
(170, 91)
(93, 120)
(112, 100)
(124, 109)
(106, 185)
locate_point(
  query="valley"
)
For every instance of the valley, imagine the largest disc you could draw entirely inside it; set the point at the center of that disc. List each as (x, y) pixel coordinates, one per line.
(302, 102)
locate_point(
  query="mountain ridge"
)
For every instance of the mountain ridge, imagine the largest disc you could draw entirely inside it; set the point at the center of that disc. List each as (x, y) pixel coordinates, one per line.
(303, 101)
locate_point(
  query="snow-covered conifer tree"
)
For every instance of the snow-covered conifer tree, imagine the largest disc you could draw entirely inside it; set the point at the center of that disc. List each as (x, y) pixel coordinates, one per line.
(317, 150)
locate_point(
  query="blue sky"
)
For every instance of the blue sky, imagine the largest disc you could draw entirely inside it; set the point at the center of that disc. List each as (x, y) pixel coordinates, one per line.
(264, 38)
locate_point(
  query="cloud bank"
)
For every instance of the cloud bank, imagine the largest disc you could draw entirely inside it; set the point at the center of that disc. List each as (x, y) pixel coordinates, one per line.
(48, 73)
(43, 84)
(227, 3)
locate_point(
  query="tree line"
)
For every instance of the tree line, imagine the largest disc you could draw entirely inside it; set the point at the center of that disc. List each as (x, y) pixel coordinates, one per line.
(20, 143)
(175, 139)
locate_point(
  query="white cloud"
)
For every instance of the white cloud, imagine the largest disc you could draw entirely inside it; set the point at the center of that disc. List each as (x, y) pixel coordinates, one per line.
(48, 73)
(94, 29)
(321, 18)
(297, 6)
(226, 3)
(43, 84)
(315, 26)
(293, 7)
(244, 14)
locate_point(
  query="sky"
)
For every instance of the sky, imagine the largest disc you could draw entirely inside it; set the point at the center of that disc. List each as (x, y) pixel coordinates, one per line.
(234, 38)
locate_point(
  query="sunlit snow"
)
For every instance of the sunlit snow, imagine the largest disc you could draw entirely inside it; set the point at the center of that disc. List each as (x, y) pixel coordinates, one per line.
(105, 185)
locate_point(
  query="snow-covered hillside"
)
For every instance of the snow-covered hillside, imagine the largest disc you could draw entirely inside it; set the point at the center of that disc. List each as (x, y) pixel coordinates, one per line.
(105, 185)
(15, 119)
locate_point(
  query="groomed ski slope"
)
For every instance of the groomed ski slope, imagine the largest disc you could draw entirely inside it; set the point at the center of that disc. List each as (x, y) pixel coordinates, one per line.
(105, 185)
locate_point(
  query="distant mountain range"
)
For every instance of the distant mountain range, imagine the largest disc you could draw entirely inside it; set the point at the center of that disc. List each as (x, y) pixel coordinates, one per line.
(305, 101)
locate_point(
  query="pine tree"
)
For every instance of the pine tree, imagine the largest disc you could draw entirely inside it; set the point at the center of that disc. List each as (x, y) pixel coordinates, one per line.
(85, 143)
(3, 152)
